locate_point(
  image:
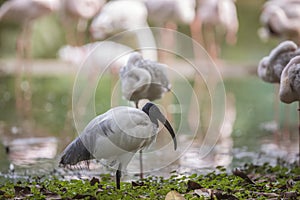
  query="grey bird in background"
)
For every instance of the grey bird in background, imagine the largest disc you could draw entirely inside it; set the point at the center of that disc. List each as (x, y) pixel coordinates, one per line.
(289, 90)
(143, 79)
(290, 82)
(271, 66)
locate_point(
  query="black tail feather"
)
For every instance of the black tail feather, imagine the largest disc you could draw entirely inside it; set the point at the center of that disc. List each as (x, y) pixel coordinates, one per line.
(75, 153)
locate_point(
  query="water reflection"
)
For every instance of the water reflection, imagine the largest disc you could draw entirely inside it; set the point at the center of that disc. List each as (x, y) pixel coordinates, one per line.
(222, 152)
(28, 151)
(244, 138)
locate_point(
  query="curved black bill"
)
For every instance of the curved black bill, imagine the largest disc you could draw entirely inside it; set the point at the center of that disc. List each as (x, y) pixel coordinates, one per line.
(154, 113)
(170, 129)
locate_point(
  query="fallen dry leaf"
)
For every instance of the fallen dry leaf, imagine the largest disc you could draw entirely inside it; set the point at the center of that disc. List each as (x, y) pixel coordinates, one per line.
(222, 195)
(239, 173)
(191, 185)
(23, 191)
(94, 180)
(291, 195)
(203, 192)
(136, 184)
(174, 195)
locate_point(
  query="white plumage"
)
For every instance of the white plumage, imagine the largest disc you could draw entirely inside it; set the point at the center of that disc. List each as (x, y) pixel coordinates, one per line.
(162, 11)
(84, 9)
(290, 82)
(117, 16)
(23, 12)
(125, 15)
(75, 15)
(270, 67)
(143, 79)
(97, 53)
(116, 136)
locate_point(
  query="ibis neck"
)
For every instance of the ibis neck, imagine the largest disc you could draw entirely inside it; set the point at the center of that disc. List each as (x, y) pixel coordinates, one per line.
(152, 118)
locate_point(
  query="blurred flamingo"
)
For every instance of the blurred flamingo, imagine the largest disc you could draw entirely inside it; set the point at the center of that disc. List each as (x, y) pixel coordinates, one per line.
(75, 15)
(290, 86)
(270, 69)
(214, 19)
(280, 18)
(114, 19)
(24, 13)
(169, 14)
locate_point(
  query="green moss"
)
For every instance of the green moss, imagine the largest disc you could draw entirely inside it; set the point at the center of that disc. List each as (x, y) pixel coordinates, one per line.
(269, 181)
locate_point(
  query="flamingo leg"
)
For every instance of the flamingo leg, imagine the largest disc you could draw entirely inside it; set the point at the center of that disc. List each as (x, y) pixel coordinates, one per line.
(299, 132)
(286, 123)
(276, 114)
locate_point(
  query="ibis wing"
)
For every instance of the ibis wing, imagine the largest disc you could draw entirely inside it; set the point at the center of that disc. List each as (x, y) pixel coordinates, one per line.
(83, 147)
(120, 131)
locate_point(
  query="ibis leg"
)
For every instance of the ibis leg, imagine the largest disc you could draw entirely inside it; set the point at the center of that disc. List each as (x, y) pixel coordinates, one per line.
(141, 164)
(118, 176)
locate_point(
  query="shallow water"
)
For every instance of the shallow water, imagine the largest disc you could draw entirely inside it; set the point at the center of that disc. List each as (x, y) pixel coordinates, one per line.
(250, 134)
(39, 156)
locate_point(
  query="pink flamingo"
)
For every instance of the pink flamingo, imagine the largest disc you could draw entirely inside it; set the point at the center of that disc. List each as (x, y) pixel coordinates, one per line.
(75, 16)
(281, 18)
(216, 18)
(289, 91)
(24, 13)
(270, 69)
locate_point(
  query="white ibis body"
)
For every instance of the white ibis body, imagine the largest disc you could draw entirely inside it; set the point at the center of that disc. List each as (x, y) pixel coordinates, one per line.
(143, 79)
(116, 136)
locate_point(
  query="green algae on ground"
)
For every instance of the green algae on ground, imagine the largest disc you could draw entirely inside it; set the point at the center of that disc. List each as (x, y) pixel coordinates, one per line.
(258, 182)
